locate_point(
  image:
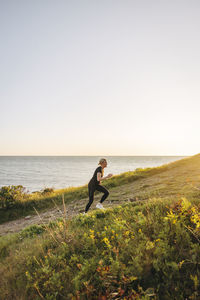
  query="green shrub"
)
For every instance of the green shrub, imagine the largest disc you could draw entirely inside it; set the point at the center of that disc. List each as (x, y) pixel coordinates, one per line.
(32, 231)
(140, 250)
(9, 195)
(47, 191)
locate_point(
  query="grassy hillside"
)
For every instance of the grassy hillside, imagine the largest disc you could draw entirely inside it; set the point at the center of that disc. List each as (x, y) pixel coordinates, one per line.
(173, 179)
(146, 248)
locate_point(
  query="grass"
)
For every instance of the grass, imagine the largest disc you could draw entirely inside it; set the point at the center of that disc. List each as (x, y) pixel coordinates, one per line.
(148, 182)
(135, 250)
(146, 248)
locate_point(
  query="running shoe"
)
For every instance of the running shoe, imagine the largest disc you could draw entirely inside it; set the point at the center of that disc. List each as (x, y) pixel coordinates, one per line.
(100, 206)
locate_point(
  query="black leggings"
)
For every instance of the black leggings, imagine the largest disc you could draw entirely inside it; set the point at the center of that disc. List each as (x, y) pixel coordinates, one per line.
(91, 191)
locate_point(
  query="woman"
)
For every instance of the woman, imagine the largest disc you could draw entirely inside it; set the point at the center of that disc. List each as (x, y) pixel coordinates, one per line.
(95, 184)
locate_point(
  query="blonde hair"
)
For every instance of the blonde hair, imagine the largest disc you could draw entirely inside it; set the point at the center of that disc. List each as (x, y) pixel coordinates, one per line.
(101, 161)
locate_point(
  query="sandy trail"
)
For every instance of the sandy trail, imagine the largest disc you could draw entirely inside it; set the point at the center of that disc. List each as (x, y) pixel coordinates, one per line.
(43, 217)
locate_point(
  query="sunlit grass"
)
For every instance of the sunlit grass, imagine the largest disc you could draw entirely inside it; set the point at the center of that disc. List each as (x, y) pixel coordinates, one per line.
(73, 194)
(146, 248)
(133, 250)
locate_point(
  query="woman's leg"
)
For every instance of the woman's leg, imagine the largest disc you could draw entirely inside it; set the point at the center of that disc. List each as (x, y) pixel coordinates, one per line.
(102, 189)
(91, 198)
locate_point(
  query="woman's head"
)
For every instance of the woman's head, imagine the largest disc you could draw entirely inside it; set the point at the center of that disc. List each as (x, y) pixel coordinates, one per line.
(103, 162)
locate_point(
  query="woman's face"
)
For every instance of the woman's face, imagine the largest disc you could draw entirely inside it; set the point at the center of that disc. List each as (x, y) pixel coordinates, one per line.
(104, 164)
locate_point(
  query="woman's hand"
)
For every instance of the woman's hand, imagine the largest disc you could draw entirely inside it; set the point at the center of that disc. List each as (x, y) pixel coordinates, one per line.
(109, 175)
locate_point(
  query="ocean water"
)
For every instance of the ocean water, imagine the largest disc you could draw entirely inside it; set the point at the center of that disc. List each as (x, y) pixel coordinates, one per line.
(38, 172)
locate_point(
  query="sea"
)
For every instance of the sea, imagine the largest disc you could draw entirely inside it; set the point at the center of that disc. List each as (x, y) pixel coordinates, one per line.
(36, 173)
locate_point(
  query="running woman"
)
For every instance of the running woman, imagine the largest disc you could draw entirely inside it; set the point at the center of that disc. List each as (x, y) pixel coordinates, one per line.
(95, 184)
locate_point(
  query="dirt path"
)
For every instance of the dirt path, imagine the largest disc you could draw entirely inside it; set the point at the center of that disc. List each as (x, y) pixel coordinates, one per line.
(42, 217)
(55, 213)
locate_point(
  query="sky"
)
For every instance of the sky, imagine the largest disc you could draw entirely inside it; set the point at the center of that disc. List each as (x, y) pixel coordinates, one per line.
(106, 77)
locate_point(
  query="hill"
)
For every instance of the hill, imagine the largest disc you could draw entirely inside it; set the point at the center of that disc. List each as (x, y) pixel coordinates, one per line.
(146, 248)
(173, 180)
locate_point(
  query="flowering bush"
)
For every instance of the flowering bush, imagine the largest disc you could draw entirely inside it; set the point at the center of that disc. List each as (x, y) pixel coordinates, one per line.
(143, 251)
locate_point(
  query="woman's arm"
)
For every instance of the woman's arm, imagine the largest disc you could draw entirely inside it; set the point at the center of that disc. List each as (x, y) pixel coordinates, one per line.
(99, 178)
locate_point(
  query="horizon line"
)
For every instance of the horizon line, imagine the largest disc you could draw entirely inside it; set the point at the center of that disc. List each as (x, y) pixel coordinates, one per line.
(28, 155)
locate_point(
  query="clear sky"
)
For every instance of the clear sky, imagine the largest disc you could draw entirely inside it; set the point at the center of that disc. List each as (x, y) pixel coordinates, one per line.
(104, 77)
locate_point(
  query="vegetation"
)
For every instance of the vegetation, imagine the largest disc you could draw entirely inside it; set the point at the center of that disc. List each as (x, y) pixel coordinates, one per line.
(135, 251)
(10, 195)
(139, 250)
(24, 205)
(15, 203)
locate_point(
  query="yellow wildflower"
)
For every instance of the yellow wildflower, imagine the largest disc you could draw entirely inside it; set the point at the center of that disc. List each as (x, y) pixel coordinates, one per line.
(92, 236)
(126, 233)
(171, 216)
(106, 241)
(196, 220)
(150, 245)
(185, 205)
